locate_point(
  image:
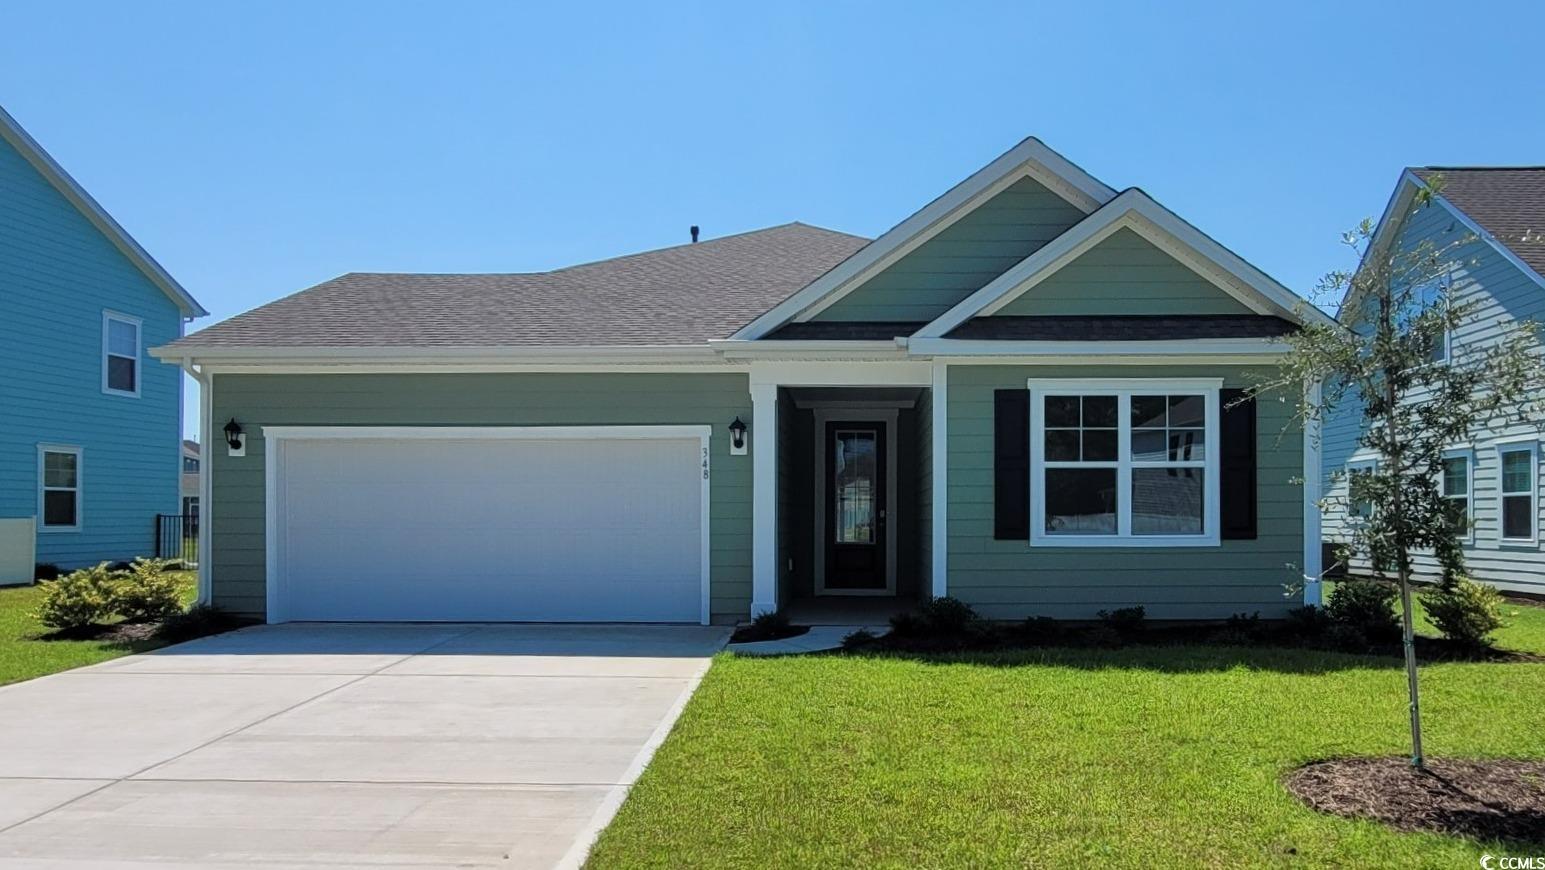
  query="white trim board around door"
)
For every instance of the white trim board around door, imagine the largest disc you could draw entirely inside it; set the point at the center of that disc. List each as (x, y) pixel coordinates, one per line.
(824, 415)
(277, 438)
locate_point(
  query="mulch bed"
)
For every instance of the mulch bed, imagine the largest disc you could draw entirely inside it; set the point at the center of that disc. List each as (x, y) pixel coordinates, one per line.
(120, 632)
(754, 634)
(1503, 799)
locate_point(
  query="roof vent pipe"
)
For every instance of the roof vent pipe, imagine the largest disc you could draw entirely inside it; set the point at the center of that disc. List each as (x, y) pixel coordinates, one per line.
(694, 233)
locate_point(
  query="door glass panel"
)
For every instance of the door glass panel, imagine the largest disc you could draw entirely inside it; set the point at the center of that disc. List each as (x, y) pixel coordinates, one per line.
(855, 481)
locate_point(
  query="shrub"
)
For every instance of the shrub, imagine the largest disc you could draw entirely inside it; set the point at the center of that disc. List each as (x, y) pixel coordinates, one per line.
(45, 571)
(200, 620)
(908, 623)
(1101, 634)
(946, 615)
(860, 638)
(121, 566)
(1366, 605)
(1465, 611)
(78, 599)
(1306, 621)
(146, 591)
(1342, 636)
(1041, 630)
(1126, 620)
(1239, 630)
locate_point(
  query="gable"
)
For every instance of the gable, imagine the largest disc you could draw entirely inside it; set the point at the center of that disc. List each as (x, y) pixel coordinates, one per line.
(1124, 274)
(39, 190)
(52, 259)
(961, 259)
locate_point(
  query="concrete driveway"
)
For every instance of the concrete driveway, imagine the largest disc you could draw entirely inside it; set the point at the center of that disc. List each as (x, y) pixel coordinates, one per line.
(342, 746)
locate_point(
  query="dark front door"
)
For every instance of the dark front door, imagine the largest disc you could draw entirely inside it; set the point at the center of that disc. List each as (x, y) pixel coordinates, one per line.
(855, 506)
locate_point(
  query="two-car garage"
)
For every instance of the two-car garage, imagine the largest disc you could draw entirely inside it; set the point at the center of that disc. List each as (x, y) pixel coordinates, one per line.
(550, 524)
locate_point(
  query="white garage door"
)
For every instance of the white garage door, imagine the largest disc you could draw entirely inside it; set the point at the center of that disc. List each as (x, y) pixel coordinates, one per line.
(493, 525)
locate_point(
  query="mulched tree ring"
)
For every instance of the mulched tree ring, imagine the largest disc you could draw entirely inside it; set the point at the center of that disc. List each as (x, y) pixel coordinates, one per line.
(1503, 799)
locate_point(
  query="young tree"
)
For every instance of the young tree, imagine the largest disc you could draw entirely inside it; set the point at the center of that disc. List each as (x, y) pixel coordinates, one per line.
(1389, 358)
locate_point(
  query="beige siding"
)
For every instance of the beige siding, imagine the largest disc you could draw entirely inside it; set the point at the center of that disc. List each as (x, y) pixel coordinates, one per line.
(475, 400)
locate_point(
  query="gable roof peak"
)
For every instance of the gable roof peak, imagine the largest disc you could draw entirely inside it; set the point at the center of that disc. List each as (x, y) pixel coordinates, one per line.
(12, 131)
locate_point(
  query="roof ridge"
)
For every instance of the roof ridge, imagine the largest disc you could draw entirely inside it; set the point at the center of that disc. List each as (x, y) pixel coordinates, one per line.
(712, 241)
(1491, 168)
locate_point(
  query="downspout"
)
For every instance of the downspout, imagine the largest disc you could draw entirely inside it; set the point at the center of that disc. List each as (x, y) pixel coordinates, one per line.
(206, 458)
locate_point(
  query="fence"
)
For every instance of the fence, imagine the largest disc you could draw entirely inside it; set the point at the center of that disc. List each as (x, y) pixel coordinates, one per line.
(177, 538)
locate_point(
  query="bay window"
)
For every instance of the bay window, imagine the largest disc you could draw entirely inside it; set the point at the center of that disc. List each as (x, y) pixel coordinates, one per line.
(1124, 463)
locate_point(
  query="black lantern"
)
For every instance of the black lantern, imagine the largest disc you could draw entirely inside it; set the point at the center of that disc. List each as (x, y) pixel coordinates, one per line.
(737, 434)
(233, 434)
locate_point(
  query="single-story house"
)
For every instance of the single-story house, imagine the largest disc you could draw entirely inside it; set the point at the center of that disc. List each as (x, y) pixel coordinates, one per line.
(1020, 396)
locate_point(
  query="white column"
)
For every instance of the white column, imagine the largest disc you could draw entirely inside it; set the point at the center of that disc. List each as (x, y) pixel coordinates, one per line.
(1312, 566)
(764, 498)
(941, 488)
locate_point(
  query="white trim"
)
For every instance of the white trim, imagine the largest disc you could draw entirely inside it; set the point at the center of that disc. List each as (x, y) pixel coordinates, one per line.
(80, 488)
(1265, 348)
(1123, 389)
(277, 437)
(468, 355)
(764, 499)
(1029, 158)
(939, 497)
(736, 349)
(854, 414)
(1530, 446)
(901, 373)
(12, 131)
(1468, 455)
(1137, 211)
(206, 505)
(1313, 566)
(108, 318)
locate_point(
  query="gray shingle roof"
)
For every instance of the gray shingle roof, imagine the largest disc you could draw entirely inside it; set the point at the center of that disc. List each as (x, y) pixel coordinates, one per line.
(1507, 202)
(673, 296)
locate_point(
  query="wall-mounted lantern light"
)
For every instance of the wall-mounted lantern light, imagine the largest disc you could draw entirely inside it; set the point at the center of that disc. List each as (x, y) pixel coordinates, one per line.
(737, 438)
(234, 438)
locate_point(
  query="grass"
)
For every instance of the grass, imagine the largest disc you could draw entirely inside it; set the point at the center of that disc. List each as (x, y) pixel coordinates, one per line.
(1151, 756)
(23, 655)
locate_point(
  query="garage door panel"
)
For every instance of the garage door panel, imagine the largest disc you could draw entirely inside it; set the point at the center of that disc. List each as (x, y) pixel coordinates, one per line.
(592, 529)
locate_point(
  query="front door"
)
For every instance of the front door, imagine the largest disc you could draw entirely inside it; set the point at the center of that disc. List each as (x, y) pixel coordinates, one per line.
(855, 507)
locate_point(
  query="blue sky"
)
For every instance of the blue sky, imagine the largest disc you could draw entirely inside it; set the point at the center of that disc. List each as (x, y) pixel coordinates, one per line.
(256, 149)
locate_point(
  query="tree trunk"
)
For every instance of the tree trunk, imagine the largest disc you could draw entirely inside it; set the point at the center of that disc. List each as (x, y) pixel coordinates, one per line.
(1402, 551)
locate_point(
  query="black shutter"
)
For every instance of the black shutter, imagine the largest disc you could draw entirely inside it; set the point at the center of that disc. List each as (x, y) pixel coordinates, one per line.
(1011, 465)
(1237, 463)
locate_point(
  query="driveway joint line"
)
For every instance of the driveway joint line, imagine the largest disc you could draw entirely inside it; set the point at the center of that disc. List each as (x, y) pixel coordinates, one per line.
(112, 781)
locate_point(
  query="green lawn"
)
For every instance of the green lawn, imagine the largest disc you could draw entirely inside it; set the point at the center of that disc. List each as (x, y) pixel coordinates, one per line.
(1158, 757)
(23, 656)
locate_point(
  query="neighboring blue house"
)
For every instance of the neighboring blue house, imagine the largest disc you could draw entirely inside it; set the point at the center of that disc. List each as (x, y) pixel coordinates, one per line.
(1497, 475)
(90, 424)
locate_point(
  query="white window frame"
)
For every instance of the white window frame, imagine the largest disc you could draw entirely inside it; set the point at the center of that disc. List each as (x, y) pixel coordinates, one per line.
(1531, 446)
(108, 318)
(1468, 455)
(1353, 466)
(79, 489)
(1123, 389)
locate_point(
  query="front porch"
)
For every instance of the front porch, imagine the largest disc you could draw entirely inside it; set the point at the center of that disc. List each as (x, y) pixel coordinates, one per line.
(843, 497)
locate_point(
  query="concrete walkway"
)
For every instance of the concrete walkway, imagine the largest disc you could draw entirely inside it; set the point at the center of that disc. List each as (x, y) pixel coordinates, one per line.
(818, 639)
(338, 746)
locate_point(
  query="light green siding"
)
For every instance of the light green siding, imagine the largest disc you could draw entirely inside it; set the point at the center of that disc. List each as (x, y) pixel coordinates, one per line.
(1124, 274)
(474, 400)
(1011, 580)
(963, 258)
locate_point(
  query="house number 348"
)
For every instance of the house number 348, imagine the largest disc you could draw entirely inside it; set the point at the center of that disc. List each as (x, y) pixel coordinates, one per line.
(705, 463)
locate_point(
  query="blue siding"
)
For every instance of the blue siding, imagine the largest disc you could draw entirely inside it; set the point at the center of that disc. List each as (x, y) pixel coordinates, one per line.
(1503, 294)
(57, 275)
